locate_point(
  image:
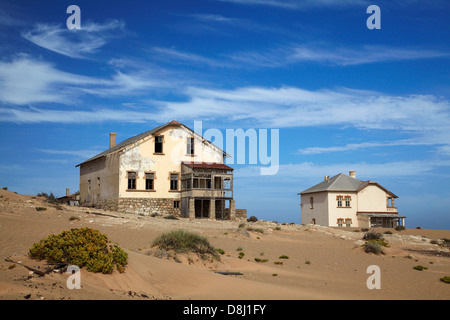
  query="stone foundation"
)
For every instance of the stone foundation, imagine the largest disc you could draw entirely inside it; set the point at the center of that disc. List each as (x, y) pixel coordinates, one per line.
(146, 207)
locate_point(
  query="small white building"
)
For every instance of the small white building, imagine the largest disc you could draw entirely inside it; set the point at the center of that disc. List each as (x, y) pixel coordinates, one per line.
(345, 201)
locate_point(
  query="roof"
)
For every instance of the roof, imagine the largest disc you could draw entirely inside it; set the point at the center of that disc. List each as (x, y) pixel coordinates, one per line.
(380, 214)
(340, 182)
(207, 165)
(345, 183)
(136, 138)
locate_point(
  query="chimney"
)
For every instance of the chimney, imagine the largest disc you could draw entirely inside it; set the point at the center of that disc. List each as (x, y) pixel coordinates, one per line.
(67, 192)
(326, 178)
(352, 173)
(112, 140)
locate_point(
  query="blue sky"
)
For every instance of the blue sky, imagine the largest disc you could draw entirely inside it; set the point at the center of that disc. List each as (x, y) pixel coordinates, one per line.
(342, 96)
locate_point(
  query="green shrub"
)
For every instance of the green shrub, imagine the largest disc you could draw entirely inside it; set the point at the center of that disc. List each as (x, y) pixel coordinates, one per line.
(380, 242)
(371, 235)
(420, 268)
(252, 219)
(83, 247)
(182, 241)
(260, 230)
(221, 251)
(40, 208)
(283, 257)
(400, 228)
(445, 279)
(241, 255)
(261, 260)
(371, 247)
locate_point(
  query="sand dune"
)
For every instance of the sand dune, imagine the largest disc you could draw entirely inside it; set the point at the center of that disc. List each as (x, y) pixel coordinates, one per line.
(322, 263)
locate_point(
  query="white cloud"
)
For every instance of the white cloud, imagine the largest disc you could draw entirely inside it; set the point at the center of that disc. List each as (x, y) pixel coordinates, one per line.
(177, 55)
(299, 4)
(332, 55)
(76, 43)
(364, 171)
(24, 81)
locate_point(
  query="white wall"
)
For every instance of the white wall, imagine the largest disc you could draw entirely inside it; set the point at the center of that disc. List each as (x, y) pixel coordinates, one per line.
(319, 212)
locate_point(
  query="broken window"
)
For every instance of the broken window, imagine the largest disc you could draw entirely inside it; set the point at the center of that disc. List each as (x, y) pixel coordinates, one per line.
(174, 181)
(311, 202)
(149, 181)
(390, 203)
(176, 204)
(131, 180)
(159, 144)
(190, 146)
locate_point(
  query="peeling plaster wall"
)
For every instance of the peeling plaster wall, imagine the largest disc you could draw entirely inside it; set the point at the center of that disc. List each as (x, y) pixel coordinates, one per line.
(140, 158)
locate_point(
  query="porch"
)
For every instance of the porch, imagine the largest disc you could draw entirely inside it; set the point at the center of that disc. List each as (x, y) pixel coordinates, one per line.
(207, 191)
(380, 220)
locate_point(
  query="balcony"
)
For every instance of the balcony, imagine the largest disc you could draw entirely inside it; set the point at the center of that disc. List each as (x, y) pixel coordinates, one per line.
(206, 181)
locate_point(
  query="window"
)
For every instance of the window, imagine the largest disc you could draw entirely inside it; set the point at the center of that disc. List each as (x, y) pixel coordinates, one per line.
(159, 144)
(131, 180)
(98, 185)
(176, 204)
(348, 222)
(340, 222)
(347, 201)
(339, 201)
(311, 202)
(190, 146)
(174, 181)
(149, 181)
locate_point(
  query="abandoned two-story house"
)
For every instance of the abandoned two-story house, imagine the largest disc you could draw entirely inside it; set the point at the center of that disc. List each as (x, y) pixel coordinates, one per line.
(344, 200)
(169, 170)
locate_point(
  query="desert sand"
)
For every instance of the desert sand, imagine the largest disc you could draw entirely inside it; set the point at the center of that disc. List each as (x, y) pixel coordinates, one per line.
(323, 263)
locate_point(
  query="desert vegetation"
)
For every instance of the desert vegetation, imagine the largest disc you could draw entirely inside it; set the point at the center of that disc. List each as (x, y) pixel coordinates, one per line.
(83, 247)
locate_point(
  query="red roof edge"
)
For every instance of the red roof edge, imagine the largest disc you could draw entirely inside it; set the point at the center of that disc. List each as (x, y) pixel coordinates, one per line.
(207, 165)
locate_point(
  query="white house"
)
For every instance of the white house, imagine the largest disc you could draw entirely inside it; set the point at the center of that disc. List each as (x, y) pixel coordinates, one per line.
(345, 201)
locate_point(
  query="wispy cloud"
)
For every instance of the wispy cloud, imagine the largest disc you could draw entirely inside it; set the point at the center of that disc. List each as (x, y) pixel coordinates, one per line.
(75, 43)
(330, 54)
(365, 170)
(169, 54)
(365, 145)
(25, 80)
(299, 4)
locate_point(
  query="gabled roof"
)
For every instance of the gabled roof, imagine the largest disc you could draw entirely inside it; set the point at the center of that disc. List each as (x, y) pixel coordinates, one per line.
(206, 165)
(343, 182)
(138, 137)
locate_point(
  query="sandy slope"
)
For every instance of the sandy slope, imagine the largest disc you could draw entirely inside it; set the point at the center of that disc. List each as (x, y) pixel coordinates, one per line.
(324, 263)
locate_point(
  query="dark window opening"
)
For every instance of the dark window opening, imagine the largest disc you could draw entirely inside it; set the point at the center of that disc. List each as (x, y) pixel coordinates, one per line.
(174, 181)
(159, 144)
(149, 181)
(131, 180)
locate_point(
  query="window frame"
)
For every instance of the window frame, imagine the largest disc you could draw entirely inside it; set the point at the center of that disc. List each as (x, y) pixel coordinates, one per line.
(177, 181)
(339, 200)
(153, 180)
(190, 146)
(130, 184)
(157, 143)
